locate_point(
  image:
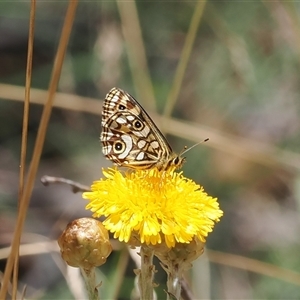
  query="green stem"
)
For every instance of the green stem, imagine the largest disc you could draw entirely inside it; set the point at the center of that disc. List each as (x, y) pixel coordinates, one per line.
(90, 283)
(174, 281)
(146, 274)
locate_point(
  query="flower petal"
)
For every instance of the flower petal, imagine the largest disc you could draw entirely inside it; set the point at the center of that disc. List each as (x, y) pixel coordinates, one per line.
(153, 204)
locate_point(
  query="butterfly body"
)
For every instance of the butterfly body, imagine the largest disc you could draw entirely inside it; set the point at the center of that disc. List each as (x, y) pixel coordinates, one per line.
(130, 138)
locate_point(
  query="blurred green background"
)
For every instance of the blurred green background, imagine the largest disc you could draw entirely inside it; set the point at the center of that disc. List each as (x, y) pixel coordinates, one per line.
(241, 88)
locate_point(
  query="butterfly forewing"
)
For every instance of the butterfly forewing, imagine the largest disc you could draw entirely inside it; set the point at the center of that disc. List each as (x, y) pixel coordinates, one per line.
(129, 136)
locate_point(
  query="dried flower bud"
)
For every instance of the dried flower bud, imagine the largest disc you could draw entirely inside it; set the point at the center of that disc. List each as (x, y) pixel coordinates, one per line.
(183, 254)
(85, 243)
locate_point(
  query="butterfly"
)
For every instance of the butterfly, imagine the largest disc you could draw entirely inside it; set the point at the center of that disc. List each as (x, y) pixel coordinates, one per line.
(130, 138)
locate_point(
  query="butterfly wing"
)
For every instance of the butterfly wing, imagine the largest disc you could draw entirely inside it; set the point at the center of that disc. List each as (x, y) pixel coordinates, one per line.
(129, 136)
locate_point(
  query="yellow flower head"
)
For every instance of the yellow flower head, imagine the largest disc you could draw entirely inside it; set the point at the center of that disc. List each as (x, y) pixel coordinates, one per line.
(154, 206)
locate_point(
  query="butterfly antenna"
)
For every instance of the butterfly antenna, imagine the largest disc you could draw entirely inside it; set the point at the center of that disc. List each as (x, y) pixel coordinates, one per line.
(186, 149)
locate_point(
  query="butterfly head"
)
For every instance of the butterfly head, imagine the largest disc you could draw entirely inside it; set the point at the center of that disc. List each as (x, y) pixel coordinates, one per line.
(176, 161)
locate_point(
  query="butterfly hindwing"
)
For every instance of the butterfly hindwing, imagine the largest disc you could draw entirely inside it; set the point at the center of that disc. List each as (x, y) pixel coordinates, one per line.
(129, 136)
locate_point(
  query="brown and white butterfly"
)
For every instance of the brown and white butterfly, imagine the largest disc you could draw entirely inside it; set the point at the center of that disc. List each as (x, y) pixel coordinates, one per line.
(130, 138)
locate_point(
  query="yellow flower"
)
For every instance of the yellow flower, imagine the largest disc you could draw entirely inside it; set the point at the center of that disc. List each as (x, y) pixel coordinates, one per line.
(155, 206)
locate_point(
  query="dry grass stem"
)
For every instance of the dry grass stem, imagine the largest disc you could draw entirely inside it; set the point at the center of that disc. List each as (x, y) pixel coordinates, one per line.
(24, 131)
(184, 59)
(76, 186)
(25, 199)
(245, 148)
(136, 53)
(253, 265)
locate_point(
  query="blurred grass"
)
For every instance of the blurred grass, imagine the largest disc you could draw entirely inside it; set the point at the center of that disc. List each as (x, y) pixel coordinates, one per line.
(240, 89)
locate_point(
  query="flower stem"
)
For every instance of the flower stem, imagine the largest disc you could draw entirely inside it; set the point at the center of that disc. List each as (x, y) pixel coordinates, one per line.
(174, 281)
(90, 283)
(146, 274)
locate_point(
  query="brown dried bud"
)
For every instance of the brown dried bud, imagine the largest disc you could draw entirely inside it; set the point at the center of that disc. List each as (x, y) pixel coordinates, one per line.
(183, 254)
(85, 243)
